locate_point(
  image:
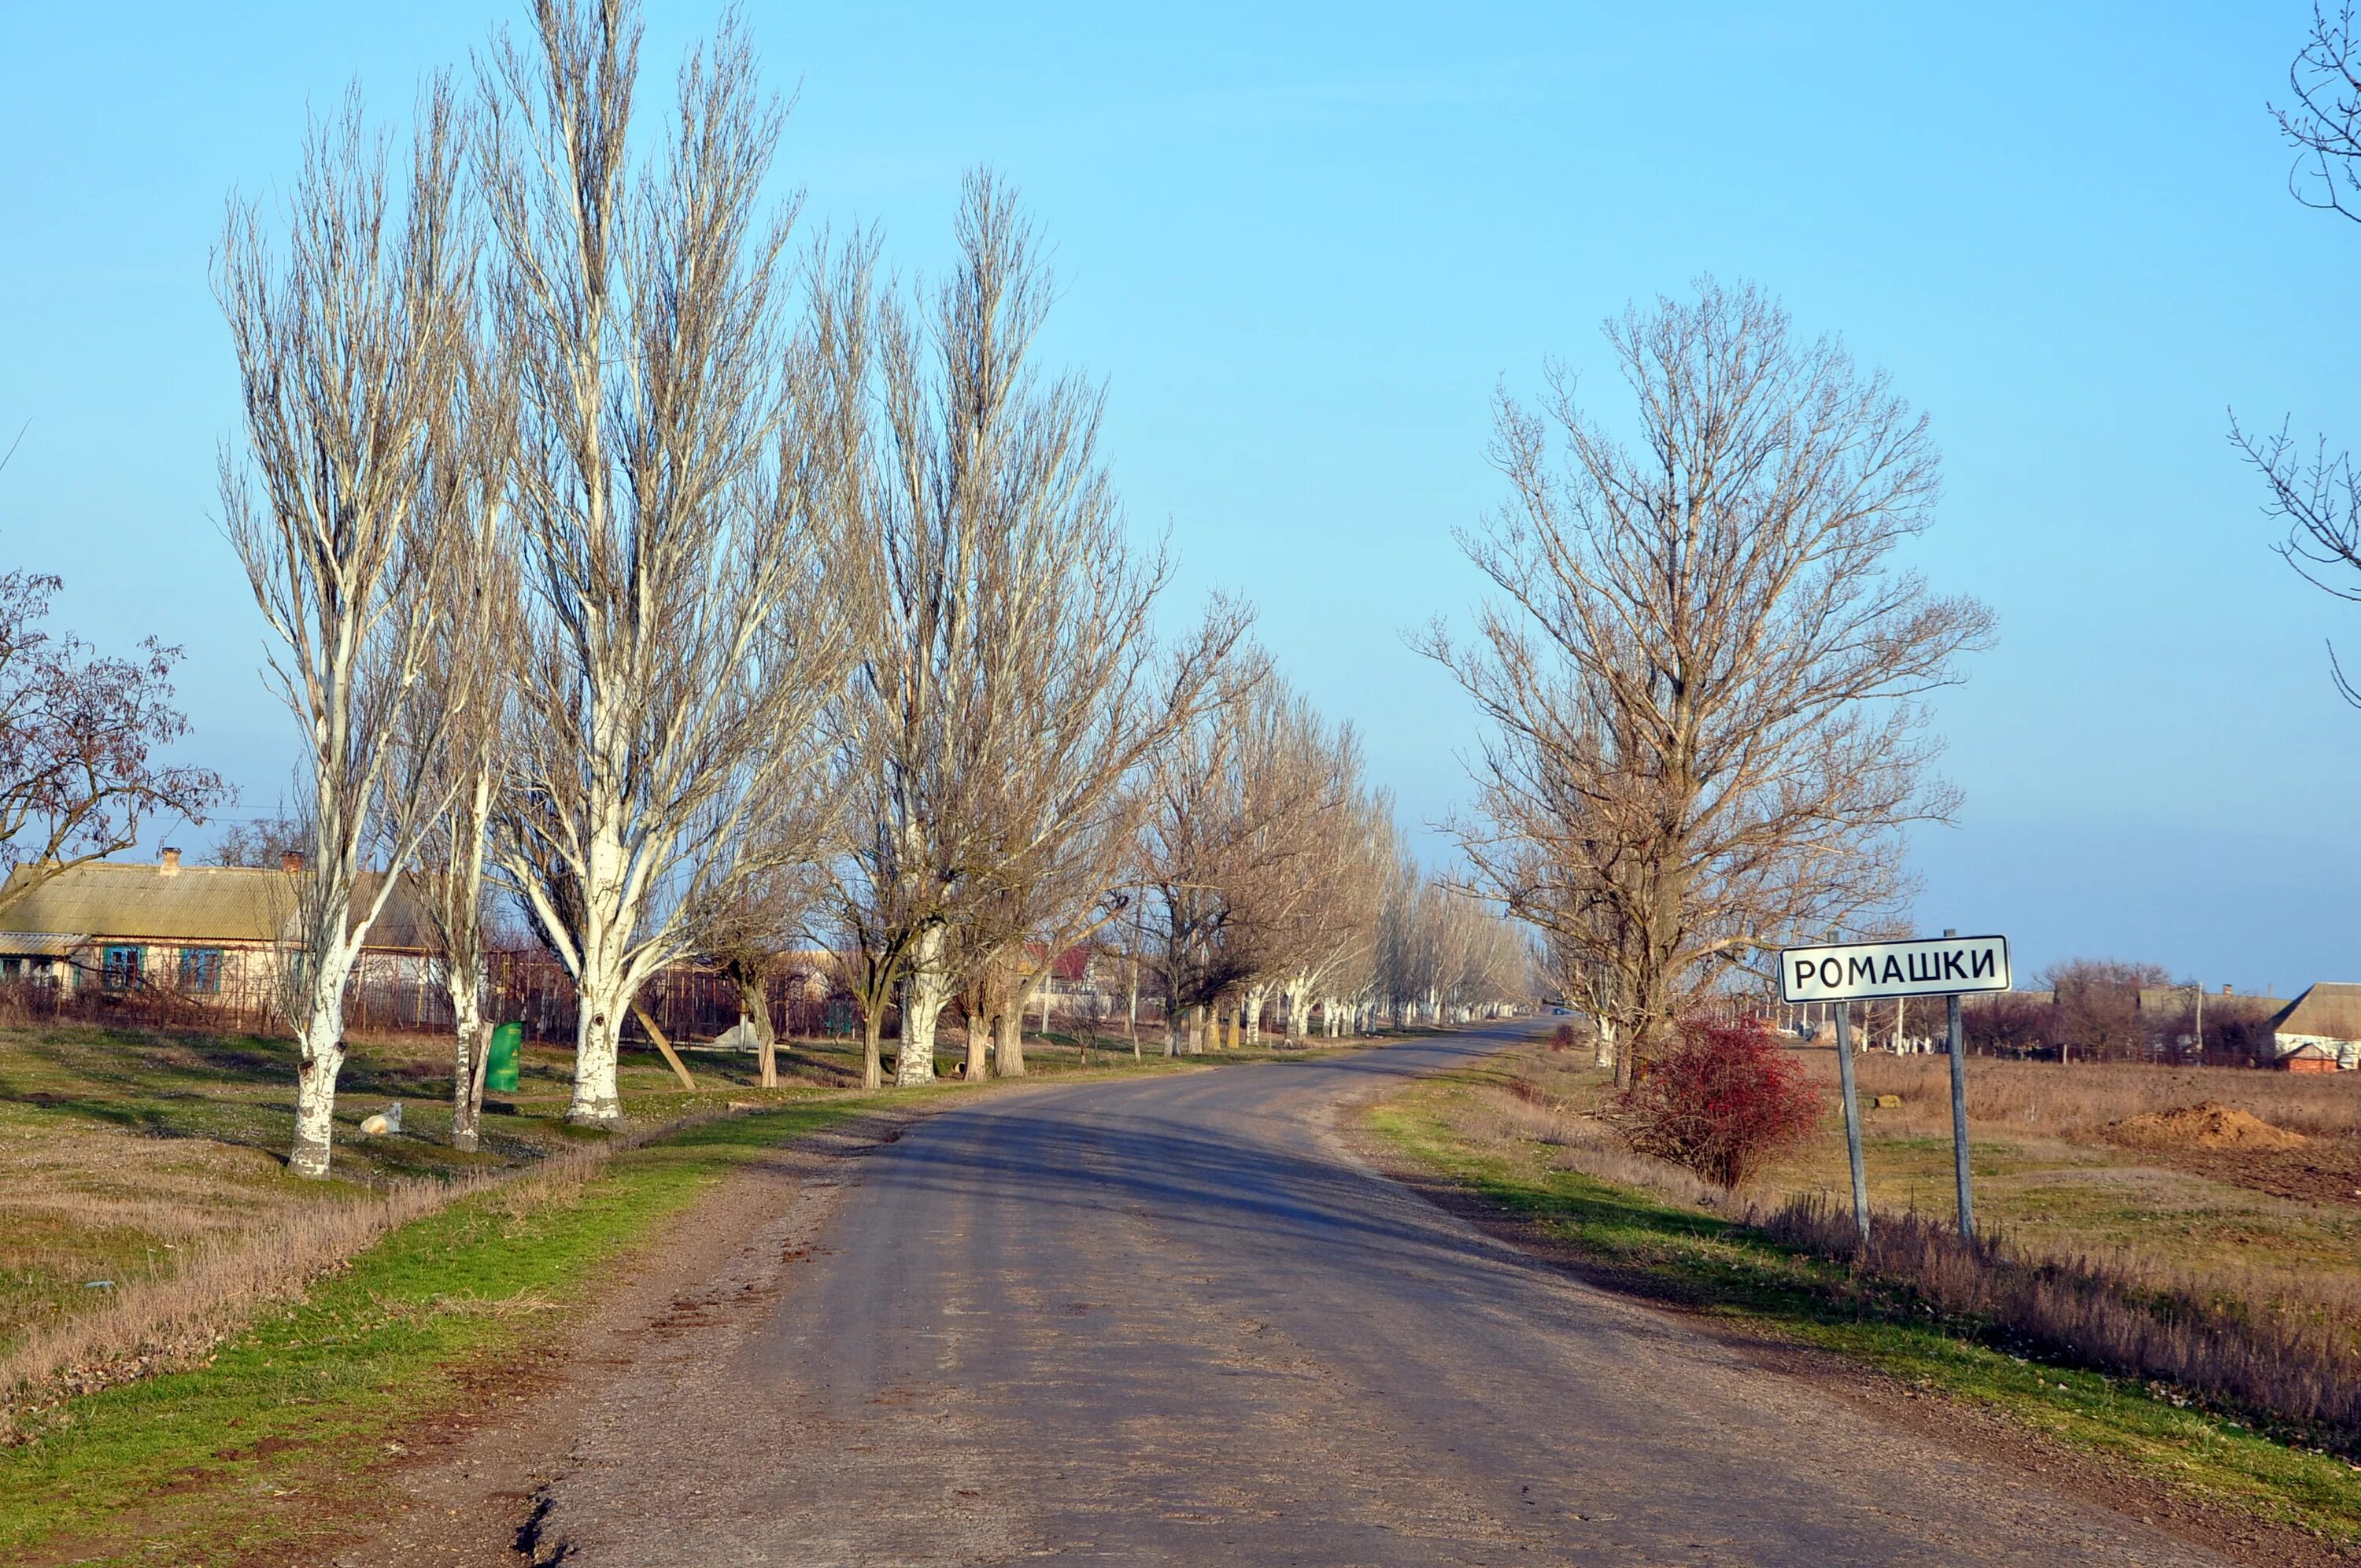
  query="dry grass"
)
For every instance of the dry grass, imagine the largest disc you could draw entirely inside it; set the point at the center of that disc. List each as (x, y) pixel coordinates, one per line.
(1581, 1143)
(175, 1319)
(2196, 1335)
(2078, 1102)
(2091, 1256)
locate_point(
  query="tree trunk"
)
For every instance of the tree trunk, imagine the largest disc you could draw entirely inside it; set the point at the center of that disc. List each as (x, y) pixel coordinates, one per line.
(319, 1047)
(872, 1056)
(597, 1041)
(604, 996)
(467, 1062)
(1254, 1014)
(1008, 1046)
(754, 1002)
(926, 992)
(1131, 1010)
(981, 1027)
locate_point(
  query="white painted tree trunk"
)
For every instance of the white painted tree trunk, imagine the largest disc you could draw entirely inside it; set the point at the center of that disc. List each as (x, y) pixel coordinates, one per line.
(467, 1073)
(597, 1044)
(1254, 1014)
(926, 992)
(603, 986)
(1603, 1033)
(320, 1057)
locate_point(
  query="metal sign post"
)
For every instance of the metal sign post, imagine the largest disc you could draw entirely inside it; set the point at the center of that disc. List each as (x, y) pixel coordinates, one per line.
(1853, 1121)
(1846, 972)
(1960, 1116)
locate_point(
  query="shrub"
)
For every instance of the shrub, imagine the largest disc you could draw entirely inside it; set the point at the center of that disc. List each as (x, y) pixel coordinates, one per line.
(1561, 1038)
(1724, 1100)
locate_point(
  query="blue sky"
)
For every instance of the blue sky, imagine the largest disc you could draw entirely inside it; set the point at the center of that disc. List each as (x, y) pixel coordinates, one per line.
(1303, 246)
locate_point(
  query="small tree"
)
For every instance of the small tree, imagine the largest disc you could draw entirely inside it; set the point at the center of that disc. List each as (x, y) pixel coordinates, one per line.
(78, 776)
(1722, 1101)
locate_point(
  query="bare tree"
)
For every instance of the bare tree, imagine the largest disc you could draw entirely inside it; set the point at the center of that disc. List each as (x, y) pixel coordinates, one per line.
(999, 719)
(684, 641)
(2314, 490)
(79, 777)
(459, 713)
(2096, 1007)
(351, 353)
(1700, 674)
(1246, 809)
(264, 844)
(745, 936)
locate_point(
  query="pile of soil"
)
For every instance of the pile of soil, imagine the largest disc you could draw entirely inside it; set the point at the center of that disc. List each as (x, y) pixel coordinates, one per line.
(2207, 1126)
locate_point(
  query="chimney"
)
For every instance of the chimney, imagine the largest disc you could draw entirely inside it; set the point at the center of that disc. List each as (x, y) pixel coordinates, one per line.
(168, 863)
(2226, 991)
(290, 862)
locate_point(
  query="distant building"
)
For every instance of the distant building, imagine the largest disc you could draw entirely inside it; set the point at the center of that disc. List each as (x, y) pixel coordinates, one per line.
(2324, 1023)
(200, 932)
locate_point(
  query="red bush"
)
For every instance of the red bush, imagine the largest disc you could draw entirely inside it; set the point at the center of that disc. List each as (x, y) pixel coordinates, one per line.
(1724, 1100)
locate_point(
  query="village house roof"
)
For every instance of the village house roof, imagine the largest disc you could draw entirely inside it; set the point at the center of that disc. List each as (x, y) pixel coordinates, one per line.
(2328, 1011)
(126, 900)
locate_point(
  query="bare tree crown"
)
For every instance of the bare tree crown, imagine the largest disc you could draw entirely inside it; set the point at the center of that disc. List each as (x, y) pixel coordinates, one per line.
(1702, 670)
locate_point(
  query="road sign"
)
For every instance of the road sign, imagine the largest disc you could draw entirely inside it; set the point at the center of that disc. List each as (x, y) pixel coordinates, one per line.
(1923, 966)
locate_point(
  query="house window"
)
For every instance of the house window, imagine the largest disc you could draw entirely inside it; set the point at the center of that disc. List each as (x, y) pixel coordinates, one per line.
(120, 967)
(201, 969)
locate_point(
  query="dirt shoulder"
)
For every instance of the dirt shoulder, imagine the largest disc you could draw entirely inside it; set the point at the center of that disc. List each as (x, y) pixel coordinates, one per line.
(468, 1490)
(1932, 1419)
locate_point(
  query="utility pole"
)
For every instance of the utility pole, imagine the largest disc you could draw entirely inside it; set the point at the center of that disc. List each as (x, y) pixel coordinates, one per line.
(1959, 1115)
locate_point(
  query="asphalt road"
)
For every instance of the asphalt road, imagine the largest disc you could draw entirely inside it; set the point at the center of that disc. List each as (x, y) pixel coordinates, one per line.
(1172, 1322)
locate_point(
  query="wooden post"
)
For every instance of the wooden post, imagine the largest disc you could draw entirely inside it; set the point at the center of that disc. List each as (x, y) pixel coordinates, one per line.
(1852, 1121)
(1960, 1116)
(670, 1055)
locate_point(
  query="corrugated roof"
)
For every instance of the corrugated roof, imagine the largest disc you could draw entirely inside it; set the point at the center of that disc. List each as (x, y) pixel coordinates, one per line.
(2330, 1010)
(39, 944)
(187, 904)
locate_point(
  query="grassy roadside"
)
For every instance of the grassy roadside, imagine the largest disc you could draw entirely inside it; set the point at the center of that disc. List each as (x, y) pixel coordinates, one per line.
(235, 1457)
(1678, 1253)
(290, 1421)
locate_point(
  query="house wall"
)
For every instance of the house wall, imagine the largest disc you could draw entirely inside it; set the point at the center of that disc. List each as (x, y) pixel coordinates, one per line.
(2347, 1052)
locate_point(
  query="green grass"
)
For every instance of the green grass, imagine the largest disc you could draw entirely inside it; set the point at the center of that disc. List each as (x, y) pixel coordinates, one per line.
(114, 1142)
(233, 1457)
(1726, 1271)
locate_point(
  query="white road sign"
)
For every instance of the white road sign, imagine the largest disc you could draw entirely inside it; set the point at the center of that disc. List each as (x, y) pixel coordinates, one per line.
(1923, 966)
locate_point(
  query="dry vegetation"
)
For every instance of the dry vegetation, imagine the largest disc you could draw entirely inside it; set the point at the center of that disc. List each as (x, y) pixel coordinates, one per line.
(2102, 1245)
(145, 1210)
